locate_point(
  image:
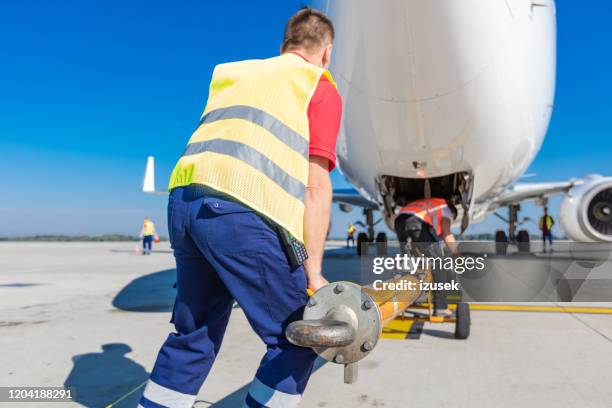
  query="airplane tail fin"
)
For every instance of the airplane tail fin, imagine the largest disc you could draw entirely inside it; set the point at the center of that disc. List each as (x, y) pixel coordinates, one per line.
(148, 183)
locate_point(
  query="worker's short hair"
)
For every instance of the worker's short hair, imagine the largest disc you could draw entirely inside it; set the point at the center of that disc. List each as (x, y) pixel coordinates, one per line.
(307, 29)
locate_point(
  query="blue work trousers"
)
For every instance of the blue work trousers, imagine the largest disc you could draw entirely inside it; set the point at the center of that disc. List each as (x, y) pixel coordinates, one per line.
(226, 251)
(147, 242)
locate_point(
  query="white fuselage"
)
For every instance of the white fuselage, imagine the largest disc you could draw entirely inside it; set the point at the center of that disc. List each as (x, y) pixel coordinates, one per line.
(437, 87)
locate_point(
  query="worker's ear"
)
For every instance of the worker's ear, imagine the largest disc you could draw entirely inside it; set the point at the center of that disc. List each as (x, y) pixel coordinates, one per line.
(326, 56)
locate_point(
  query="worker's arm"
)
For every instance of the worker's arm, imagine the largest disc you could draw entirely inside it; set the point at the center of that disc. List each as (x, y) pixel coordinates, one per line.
(316, 219)
(449, 238)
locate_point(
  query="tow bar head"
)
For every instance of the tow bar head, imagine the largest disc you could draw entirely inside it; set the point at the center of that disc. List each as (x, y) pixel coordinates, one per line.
(341, 324)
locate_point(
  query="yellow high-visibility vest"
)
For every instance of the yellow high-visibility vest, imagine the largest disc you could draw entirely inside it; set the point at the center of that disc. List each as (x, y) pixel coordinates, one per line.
(253, 138)
(148, 228)
(549, 222)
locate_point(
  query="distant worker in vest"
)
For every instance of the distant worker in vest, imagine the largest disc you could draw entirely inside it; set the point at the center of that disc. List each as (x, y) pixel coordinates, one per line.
(350, 235)
(148, 234)
(248, 212)
(546, 224)
(426, 223)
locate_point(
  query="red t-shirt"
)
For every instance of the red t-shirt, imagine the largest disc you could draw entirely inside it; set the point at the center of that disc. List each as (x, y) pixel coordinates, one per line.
(324, 115)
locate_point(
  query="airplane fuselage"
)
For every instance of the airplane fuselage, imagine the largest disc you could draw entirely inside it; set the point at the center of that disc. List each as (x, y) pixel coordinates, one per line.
(437, 87)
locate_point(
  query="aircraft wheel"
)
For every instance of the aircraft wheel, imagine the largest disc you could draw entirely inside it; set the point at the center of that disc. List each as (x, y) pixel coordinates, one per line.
(381, 243)
(522, 240)
(462, 325)
(362, 238)
(501, 243)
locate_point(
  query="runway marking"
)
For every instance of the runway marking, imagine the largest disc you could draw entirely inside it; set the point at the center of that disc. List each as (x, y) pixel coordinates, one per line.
(402, 329)
(397, 329)
(546, 309)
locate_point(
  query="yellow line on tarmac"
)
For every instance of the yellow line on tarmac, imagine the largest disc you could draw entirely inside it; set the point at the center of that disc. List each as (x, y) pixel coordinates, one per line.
(397, 329)
(546, 309)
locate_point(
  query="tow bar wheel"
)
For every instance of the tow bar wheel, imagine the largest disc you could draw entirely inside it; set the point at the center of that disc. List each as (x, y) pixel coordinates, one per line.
(462, 325)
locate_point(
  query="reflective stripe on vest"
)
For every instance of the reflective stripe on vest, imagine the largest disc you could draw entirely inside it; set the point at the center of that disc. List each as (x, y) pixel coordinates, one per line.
(252, 157)
(263, 119)
(429, 210)
(252, 141)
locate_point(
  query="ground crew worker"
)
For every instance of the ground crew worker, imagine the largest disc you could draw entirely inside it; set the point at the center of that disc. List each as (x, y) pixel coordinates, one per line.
(147, 233)
(546, 224)
(350, 234)
(256, 167)
(426, 222)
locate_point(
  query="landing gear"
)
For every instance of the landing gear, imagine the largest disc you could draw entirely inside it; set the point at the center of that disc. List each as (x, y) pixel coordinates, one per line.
(522, 241)
(381, 243)
(362, 238)
(512, 219)
(522, 238)
(501, 243)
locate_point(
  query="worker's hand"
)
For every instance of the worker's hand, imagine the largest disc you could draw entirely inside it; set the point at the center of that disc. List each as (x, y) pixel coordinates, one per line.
(316, 282)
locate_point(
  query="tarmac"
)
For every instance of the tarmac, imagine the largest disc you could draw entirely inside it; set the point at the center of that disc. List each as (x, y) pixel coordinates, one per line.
(92, 316)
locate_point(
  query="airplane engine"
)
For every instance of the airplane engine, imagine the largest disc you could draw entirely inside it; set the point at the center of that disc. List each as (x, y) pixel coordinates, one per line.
(586, 211)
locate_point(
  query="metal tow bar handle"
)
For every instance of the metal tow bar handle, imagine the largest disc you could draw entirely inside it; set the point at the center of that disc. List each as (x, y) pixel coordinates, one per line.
(320, 333)
(342, 322)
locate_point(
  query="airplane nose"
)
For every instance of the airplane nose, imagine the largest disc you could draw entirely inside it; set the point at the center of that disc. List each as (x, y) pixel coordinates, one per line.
(436, 48)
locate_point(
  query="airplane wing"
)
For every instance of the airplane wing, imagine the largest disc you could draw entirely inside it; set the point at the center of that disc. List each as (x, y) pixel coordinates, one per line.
(350, 196)
(347, 196)
(532, 191)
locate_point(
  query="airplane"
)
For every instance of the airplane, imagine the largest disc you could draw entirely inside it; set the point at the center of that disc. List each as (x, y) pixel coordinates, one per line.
(450, 99)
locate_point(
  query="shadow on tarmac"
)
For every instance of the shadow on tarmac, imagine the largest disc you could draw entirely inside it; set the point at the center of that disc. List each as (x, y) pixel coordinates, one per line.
(155, 292)
(149, 293)
(562, 276)
(439, 333)
(100, 379)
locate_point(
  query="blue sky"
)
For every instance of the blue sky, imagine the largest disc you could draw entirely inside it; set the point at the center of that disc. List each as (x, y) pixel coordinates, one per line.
(88, 90)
